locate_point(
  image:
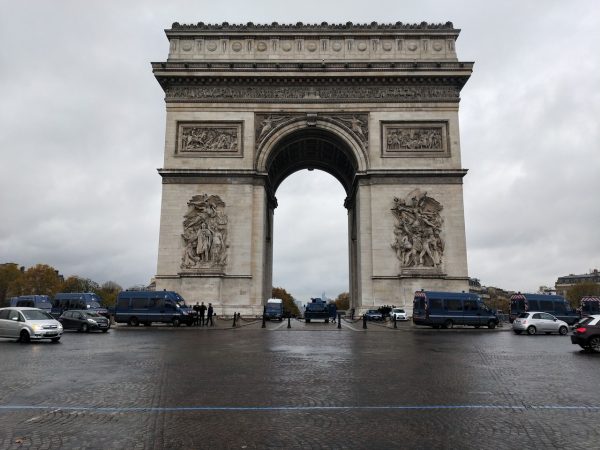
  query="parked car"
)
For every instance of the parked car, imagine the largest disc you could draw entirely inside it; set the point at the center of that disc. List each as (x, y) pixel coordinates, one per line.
(373, 314)
(587, 333)
(84, 320)
(25, 324)
(539, 322)
(398, 314)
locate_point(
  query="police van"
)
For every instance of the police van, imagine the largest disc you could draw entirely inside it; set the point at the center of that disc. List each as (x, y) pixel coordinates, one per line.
(446, 309)
(146, 307)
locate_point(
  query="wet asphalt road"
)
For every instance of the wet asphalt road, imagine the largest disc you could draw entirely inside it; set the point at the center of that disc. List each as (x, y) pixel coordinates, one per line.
(312, 386)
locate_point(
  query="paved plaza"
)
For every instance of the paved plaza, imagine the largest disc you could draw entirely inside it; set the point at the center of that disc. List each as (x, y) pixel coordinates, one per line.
(310, 386)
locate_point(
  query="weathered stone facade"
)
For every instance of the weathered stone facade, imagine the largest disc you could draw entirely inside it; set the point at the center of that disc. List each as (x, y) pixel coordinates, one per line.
(374, 105)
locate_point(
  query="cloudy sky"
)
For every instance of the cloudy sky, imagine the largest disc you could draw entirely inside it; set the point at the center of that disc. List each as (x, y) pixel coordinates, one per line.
(82, 134)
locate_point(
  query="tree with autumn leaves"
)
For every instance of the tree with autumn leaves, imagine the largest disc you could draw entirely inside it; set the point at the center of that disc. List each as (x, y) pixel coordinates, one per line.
(43, 279)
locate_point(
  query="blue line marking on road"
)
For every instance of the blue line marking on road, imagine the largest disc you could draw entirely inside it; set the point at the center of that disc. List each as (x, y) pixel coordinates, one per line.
(291, 408)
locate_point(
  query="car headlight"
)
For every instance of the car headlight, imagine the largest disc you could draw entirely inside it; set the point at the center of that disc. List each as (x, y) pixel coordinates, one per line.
(92, 321)
(36, 328)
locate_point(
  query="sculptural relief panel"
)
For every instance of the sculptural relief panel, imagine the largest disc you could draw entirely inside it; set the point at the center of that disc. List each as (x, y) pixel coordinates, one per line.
(414, 139)
(418, 241)
(205, 235)
(209, 139)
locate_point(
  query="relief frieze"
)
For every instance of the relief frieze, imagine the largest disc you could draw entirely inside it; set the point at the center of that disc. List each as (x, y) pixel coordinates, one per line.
(209, 139)
(415, 139)
(313, 94)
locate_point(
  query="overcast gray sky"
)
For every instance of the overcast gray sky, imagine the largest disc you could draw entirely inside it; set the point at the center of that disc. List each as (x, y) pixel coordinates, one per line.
(82, 133)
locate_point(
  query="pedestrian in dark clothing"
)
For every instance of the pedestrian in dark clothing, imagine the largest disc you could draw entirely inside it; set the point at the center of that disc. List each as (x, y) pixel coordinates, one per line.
(196, 314)
(209, 315)
(352, 314)
(332, 311)
(202, 313)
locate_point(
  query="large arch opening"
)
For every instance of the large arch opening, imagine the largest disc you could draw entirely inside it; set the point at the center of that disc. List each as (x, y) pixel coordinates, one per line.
(293, 159)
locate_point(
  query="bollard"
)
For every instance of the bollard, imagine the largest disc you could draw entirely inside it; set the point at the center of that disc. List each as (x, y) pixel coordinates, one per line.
(234, 318)
(395, 325)
(289, 324)
(339, 321)
(364, 322)
(264, 325)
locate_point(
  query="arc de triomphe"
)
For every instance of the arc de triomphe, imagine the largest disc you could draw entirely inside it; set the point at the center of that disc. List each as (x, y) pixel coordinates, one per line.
(376, 106)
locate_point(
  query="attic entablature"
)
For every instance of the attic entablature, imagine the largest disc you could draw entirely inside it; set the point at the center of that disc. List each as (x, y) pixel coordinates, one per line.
(324, 42)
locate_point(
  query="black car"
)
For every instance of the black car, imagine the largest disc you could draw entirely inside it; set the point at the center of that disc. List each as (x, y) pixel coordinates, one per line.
(83, 320)
(587, 333)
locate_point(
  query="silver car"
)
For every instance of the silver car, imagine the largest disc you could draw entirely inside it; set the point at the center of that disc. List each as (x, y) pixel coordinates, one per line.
(398, 313)
(539, 322)
(25, 324)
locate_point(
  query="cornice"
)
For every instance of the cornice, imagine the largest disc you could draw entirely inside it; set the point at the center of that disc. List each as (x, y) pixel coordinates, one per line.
(322, 27)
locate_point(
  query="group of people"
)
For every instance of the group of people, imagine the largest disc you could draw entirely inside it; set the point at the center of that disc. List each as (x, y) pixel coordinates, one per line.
(203, 315)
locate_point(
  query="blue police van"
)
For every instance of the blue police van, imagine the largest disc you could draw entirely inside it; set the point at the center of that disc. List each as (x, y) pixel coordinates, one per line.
(33, 301)
(145, 307)
(446, 309)
(551, 304)
(64, 301)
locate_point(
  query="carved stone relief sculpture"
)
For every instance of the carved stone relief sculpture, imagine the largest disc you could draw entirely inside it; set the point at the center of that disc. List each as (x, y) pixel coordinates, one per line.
(205, 234)
(417, 234)
(209, 139)
(357, 124)
(416, 139)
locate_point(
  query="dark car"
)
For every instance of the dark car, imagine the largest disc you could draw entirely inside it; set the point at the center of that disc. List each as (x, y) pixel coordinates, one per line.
(373, 314)
(84, 320)
(587, 334)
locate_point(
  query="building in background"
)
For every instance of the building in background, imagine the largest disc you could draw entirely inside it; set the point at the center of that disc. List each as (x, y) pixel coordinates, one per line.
(563, 284)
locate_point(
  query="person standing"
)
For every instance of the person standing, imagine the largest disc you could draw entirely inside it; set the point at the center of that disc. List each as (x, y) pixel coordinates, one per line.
(196, 314)
(202, 313)
(209, 315)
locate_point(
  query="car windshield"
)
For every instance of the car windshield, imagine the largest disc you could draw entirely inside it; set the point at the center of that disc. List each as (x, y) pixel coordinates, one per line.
(523, 315)
(373, 311)
(36, 314)
(180, 301)
(94, 305)
(396, 310)
(92, 314)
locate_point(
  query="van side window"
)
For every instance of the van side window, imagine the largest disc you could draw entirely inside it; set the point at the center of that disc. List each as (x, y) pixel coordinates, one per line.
(123, 303)
(4, 314)
(157, 303)
(471, 305)
(533, 305)
(139, 303)
(454, 305)
(560, 308)
(435, 304)
(13, 314)
(546, 305)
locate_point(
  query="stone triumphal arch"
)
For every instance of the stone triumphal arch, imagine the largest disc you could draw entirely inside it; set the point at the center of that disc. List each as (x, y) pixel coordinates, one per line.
(376, 106)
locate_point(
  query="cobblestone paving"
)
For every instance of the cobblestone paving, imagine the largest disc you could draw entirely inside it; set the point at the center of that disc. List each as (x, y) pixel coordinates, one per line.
(311, 386)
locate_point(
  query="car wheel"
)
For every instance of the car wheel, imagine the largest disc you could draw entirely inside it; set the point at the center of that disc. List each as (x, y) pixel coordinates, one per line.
(563, 330)
(476, 326)
(24, 337)
(326, 320)
(448, 324)
(85, 328)
(491, 325)
(517, 331)
(531, 330)
(594, 344)
(134, 322)
(147, 324)
(105, 331)
(307, 320)
(175, 322)
(56, 339)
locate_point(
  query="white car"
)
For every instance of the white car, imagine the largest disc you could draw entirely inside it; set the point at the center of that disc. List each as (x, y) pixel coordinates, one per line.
(398, 314)
(25, 324)
(539, 322)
